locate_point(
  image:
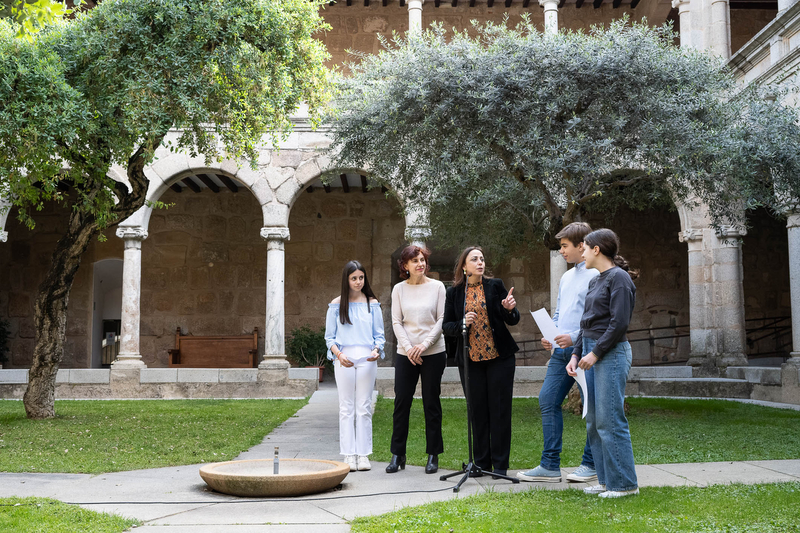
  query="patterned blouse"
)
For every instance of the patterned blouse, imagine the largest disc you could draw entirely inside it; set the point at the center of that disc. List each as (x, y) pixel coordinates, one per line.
(481, 341)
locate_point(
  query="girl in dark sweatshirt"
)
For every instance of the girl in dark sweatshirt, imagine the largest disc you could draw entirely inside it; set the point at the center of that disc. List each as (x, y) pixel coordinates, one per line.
(602, 345)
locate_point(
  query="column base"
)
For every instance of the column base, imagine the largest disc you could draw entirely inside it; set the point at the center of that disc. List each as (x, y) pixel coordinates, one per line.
(128, 361)
(790, 379)
(715, 365)
(274, 370)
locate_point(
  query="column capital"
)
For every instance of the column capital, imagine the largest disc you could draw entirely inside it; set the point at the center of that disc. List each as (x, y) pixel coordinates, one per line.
(137, 233)
(690, 234)
(3, 236)
(544, 3)
(792, 220)
(730, 231)
(417, 233)
(270, 233)
(680, 5)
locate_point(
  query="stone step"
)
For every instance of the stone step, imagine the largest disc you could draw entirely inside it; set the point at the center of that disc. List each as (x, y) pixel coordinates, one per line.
(693, 387)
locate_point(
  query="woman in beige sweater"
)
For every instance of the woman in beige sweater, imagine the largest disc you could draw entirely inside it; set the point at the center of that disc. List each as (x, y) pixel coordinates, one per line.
(417, 313)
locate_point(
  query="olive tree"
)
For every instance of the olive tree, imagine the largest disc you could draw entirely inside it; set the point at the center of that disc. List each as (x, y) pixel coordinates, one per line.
(510, 134)
(105, 87)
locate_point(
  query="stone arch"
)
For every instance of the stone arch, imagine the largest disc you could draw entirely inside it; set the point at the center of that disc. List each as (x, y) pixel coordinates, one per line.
(174, 167)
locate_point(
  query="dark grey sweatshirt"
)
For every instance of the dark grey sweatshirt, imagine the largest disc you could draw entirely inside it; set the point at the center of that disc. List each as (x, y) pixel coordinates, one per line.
(607, 311)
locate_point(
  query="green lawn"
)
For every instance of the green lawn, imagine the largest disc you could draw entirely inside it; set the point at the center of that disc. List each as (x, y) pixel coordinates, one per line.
(42, 515)
(720, 508)
(662, 430)
(111, 436)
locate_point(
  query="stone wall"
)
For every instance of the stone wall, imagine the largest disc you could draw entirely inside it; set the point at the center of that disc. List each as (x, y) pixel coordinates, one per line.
(328, 230)
(746, 23)
(204, 270)
(357, 27)
(24, 261)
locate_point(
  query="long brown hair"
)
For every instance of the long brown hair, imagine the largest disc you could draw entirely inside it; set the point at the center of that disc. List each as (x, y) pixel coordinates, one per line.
(458, 272)
(608, 242)
(344, 299)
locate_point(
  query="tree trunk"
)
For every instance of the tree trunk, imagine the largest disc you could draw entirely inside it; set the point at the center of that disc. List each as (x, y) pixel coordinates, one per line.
(50, 316)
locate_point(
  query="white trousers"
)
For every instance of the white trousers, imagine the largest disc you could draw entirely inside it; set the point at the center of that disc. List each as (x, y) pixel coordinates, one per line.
(355, 385)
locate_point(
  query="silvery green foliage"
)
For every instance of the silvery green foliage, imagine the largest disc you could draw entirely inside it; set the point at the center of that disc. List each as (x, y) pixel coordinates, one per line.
(511, 134)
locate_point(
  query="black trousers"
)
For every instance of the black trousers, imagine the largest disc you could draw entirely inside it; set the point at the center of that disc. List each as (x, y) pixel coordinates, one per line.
(406, 376)
(491, 389)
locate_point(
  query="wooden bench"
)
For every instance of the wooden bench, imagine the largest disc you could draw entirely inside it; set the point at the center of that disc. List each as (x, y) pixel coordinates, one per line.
(214, 351)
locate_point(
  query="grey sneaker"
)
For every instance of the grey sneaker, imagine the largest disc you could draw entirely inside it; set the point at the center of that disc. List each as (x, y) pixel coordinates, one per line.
(595, 489)
(540, 473)
(583, 474)
(618, 493)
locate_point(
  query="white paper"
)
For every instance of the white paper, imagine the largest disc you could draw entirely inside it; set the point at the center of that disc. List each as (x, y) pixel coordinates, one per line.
(546, 326)
(581, 379)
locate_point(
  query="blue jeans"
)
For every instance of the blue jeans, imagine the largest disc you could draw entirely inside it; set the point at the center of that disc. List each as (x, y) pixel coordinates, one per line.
(557, 384)
(605, 419)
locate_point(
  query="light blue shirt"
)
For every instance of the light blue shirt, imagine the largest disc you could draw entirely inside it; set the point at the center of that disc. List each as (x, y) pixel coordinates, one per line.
(572, 291)
(366, 328)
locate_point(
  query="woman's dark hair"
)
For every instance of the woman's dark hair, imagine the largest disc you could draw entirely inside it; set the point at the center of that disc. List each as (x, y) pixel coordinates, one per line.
(608, 242)
(409, 253)
(458, 271)
(344, 299)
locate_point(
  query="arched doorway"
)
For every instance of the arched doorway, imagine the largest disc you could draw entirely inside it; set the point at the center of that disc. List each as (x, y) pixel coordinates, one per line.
(106, 311)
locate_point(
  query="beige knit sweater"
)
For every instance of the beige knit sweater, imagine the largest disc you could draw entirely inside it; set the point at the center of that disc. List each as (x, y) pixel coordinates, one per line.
(417, 313)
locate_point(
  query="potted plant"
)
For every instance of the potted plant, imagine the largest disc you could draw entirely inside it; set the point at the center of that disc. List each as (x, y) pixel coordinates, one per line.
(306, 348)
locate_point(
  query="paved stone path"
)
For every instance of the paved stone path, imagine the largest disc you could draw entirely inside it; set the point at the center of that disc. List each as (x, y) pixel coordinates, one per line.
(176, 500)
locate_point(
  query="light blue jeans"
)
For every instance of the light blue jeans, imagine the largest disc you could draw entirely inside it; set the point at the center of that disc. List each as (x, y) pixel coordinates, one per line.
(606, 423)
(557, 384)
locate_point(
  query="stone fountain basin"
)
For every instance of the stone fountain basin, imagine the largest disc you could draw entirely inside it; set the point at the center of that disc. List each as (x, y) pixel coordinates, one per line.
(254, 477)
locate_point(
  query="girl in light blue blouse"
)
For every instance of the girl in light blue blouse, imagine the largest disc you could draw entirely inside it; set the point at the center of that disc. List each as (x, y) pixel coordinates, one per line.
(354, 335)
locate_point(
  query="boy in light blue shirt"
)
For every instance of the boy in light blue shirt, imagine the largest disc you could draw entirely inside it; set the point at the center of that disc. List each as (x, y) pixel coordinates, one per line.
(572, 291)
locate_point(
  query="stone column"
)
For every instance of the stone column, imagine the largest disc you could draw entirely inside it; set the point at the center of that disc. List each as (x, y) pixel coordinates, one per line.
(415, 16)
(417, 226)
(5, 209)
(129, 356)
(793, 230)
(274, 334)
(785, 4)
(685, 16)
(557, 269)
(417, 235)
(702, 337)
(550, 16)
(727, 274)
(720, 28)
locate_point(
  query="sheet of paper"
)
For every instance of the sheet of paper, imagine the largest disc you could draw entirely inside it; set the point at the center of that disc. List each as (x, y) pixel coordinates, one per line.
(546, 325)
(581, 379)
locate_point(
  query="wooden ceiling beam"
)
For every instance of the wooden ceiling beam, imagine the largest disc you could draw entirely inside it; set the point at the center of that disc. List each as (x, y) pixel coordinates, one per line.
(310, 189)
(402, 3)
(364, 184)
(345, 185)
(526, 3)
(579, 4)
(228, 183)
(208, 182)
(561, 4)
(490, 3)
(326, 187)
(616, 3)
(508, 3)
(175, 187)
(635, 3)
(471, 3)
(189, 182)
(597, 3)
(454, 3)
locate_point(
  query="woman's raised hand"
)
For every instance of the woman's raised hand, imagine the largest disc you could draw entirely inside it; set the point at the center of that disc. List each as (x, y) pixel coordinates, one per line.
(509, 303)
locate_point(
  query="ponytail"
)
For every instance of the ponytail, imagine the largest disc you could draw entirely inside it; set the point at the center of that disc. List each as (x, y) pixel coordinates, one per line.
(623, 264)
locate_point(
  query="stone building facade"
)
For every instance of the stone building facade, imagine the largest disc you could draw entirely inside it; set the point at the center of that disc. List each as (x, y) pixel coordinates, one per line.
(269, 256)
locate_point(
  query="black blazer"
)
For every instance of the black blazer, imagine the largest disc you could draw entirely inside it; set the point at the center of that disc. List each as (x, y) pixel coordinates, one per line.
(495, 293)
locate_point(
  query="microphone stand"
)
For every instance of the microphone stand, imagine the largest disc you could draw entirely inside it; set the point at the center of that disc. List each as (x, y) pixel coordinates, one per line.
(469, 469)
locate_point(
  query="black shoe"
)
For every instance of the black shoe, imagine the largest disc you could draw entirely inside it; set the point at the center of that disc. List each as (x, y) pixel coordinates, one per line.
(398, 462)
(501, 472)
(433, 464)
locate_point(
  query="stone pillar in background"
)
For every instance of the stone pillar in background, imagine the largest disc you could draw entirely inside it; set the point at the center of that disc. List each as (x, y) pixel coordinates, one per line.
(129, 355)
(550, 16)
(5, 209)
(417, 226)
(727, 273)
(685, 17)
(702, 337)
(720, 28)
(793, 231)
(557, 269)
(415, 16)
(274, 334)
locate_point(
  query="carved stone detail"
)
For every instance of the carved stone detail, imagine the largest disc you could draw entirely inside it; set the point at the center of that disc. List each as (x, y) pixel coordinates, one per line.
(417, 233)
(3, 236)
(691, 234)
(275, 233)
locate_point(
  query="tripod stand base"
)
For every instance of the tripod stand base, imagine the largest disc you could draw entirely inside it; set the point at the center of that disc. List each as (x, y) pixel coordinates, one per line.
(472, 470)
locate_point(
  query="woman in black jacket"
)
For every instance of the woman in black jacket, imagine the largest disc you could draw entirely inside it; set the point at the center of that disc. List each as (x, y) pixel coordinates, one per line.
(490, 348)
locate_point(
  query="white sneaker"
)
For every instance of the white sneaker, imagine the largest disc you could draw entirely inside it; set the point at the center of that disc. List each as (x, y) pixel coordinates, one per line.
(595, 489)
(363, 463)
(618, 493)
(350, 460)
